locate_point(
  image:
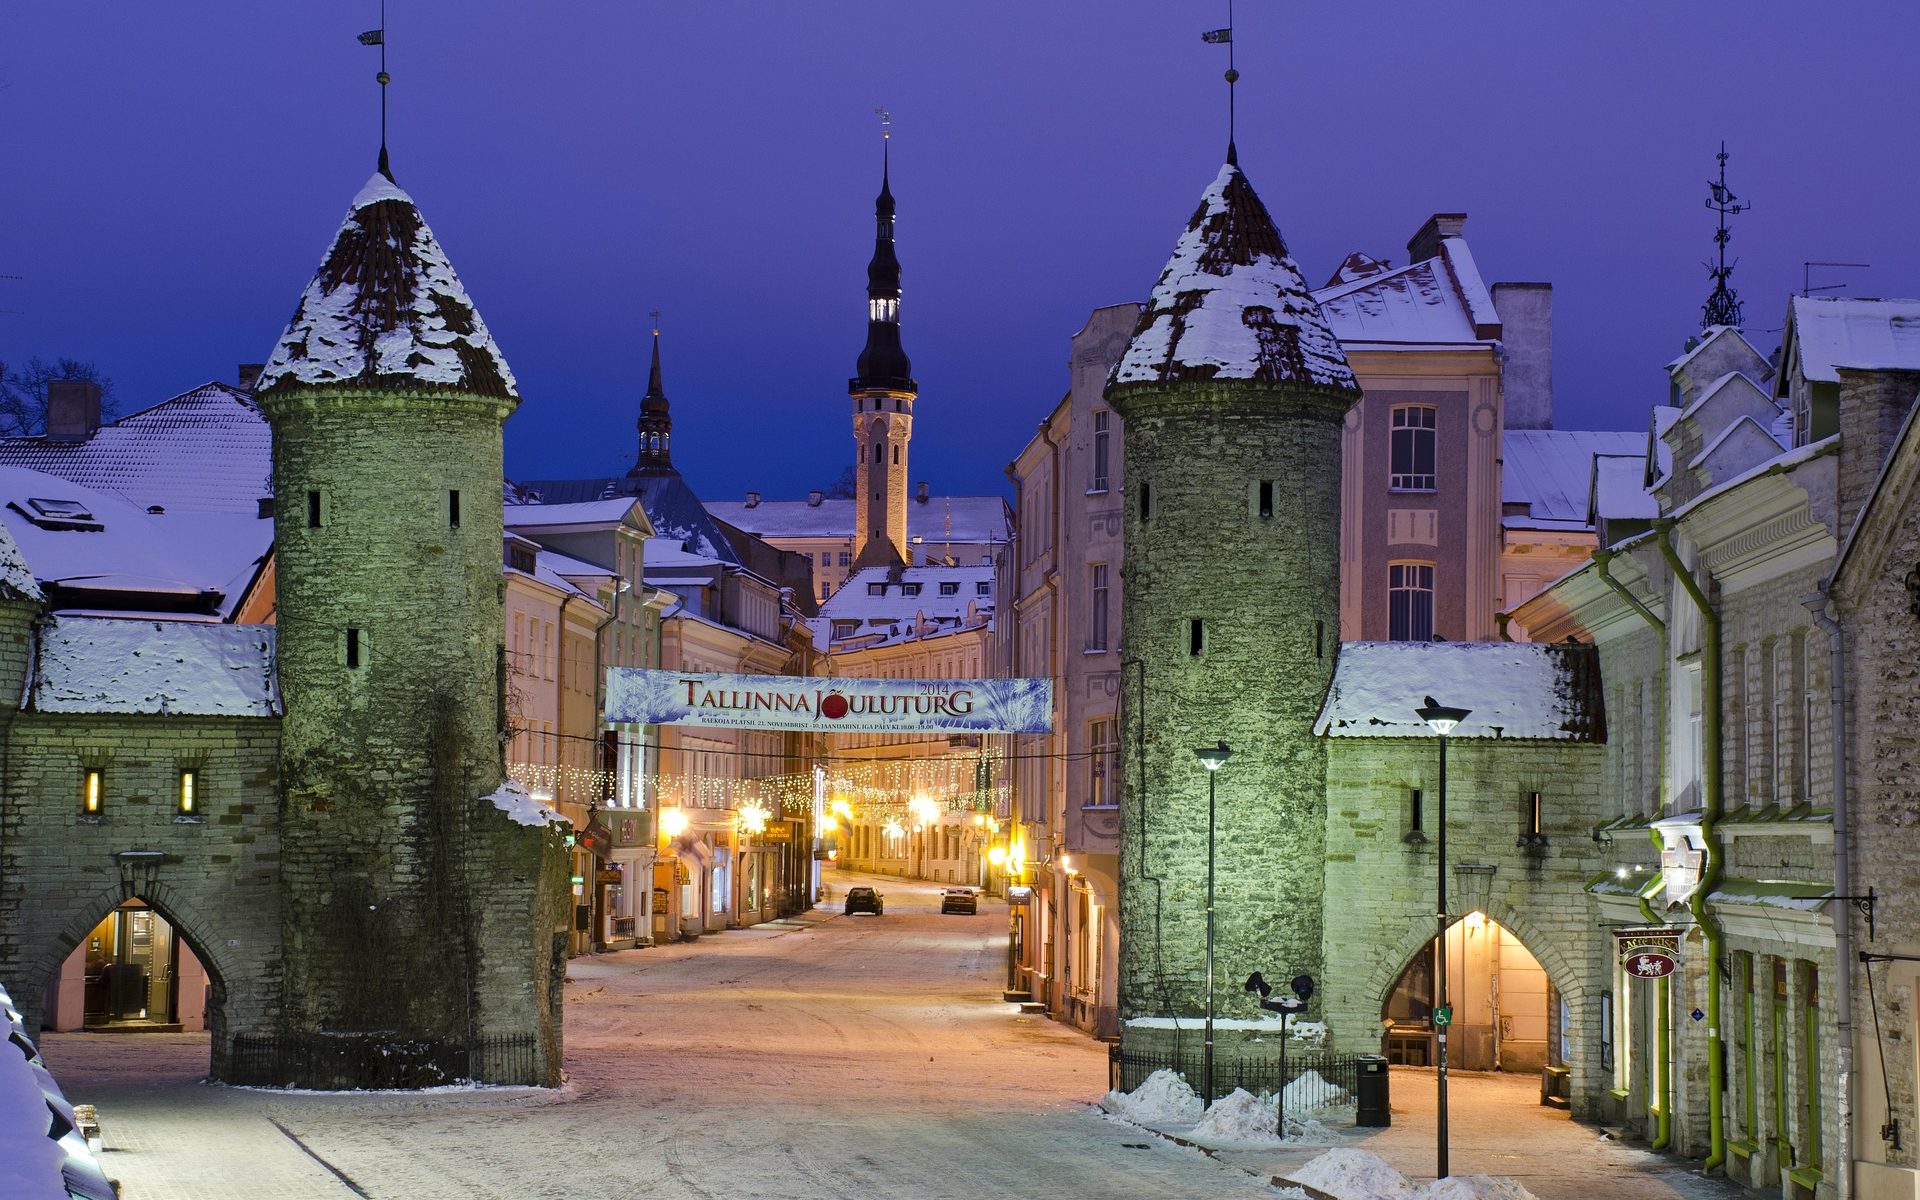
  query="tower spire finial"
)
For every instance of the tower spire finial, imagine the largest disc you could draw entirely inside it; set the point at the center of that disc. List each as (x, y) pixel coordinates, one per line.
(1225, 37)
(378, 37)
(1723, 306)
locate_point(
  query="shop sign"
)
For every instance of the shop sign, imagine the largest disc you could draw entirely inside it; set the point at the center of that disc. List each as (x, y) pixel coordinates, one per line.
(1648, 951)
(596, 838)
(779, 831)
(647, 697)
(629, 831)
(609, 875)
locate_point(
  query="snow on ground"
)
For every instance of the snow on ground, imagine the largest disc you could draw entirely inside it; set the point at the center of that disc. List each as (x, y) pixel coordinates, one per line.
(1162, 1097)
(1473, 1187)
(1347, 1173)
(1310, 1092)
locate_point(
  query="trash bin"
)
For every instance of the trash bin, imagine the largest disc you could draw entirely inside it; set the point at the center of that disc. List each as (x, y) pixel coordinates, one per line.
(1371, 1104)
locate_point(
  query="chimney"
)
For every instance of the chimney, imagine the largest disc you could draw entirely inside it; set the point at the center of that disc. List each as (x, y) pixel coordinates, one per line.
(753, 499)
(73, 410)
(1526, 334)
(920, 492)
(1873, 407)
(815, 497)
(1426, 243)
(249, 374)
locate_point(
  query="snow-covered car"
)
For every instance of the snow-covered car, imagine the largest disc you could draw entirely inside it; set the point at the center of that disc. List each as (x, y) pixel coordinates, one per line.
(959, 900)
(864, 899)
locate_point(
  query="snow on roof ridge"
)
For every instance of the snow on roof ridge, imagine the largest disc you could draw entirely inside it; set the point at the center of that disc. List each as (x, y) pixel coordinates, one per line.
(1466, 277)
(377, 188)
(1729, 431)
(1713, 389)
(1231, 304)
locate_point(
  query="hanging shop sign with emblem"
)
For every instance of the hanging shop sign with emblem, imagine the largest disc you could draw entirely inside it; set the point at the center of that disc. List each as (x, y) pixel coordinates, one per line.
(646, 697)
(1648, 951)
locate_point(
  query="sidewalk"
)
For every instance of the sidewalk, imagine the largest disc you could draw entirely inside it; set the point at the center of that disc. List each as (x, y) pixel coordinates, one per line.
(1497, 1126)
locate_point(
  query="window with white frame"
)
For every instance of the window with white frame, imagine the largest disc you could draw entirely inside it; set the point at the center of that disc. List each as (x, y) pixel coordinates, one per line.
(1097, 606)
(1412, 467)
(1101, 440)
(1103, 761)
(1410, 601)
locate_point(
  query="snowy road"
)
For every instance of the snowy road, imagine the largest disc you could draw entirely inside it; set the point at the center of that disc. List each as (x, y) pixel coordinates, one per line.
(850, 1057)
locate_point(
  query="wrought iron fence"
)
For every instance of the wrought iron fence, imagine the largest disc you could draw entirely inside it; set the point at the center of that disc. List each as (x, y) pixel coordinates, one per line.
(362, 1061)
(1315, 1081)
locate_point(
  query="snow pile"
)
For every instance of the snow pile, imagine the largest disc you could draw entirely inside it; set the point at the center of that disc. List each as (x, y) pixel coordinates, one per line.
(1231, 304)
(513, 799)
(169, 668)
(1306, 1131)
(1473, 1187)
(1311, 1034)
(1527, 690)
(1348, 1174)
(1312, 1092)
(386, 309)
(1238, 1117)
(1163, 1097)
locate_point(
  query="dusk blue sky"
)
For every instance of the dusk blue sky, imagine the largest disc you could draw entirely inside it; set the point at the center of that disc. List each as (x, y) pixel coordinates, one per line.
(175, 171)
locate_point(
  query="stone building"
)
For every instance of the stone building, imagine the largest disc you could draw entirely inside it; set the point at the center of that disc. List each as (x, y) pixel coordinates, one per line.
(315, 810)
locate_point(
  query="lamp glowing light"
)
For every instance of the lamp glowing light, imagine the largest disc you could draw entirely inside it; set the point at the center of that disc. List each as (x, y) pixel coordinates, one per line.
(997, 856)
(673, 822)
(753, 818)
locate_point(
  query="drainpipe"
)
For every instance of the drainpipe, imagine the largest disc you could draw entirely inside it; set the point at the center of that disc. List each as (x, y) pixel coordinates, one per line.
(1663, 1035)
(1842, 882)
(1709, 816)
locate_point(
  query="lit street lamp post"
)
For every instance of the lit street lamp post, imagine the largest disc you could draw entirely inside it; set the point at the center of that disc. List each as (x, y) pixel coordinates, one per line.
(1212, 758)
(1442, 721)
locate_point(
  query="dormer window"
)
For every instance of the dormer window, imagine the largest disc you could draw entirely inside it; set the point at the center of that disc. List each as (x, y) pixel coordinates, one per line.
(949, 589)
(876, 589)
(910, 589)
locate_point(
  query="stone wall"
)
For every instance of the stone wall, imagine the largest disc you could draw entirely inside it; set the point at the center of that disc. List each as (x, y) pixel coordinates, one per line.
(1265, 592)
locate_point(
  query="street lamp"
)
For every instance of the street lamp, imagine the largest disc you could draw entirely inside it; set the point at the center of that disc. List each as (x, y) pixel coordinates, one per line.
(1442, 721)
(1212, 758)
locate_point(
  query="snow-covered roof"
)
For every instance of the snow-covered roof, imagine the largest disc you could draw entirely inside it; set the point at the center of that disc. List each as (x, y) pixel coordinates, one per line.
(1415, 305)
(1231, 304)
(963, 520)
(855, 601)
(1620, 490)
(673, 510)
(165, 668)
(1758, 435)
(81, 541)
(579, 514)
(1548, 469)
(386, 311)
(1525, 689)
(1842, 331)
(1707, 337)
(16, 578)
(205, 450)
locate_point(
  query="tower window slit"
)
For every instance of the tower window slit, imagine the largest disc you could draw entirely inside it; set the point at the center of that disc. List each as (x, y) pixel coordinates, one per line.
(1266, 499)
(1146, 502)
(1196, 637)
(453, 509)
(353, 648)
(1319, 639)
(1533, 816)
(896, 456)
(313, 510)
(1416, 814)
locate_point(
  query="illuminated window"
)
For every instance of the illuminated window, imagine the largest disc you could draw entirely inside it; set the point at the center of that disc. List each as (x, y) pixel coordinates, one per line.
(92, 792)
(884, 308)
(1412, 468)
(1410, 602)
(189, 799)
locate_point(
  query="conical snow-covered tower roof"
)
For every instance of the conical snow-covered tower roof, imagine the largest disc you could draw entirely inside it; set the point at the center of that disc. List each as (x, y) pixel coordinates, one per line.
(385, 311)
(1231, 304)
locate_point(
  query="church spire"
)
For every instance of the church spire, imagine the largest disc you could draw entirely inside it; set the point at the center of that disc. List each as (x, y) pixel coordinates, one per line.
(883, 363)
(883, 393)
(656, 423)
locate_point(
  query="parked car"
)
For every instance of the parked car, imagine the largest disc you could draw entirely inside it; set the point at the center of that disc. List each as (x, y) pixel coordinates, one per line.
(864, 899)
(959, 900)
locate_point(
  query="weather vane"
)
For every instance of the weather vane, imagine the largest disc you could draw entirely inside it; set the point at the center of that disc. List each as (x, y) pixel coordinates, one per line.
(378, 37)
(655, 314)
(1224, 37)
(1722, 307)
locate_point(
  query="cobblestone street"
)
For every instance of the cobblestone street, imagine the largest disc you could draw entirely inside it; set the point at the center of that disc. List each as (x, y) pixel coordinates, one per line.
(828, 1057)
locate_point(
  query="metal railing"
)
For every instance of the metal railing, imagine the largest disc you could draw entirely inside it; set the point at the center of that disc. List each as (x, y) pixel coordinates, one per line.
(1319, 1081)
(371, 1062)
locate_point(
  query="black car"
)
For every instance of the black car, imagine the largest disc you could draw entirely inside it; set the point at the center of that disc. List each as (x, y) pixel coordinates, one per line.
(864, 899)
(959, 900)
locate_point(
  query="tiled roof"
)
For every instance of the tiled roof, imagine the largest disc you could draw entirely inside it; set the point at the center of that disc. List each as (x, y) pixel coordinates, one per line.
(206, 450)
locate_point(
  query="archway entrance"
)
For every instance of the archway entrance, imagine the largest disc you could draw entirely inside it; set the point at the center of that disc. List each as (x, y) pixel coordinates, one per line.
(1507, 1015)
(131, 973)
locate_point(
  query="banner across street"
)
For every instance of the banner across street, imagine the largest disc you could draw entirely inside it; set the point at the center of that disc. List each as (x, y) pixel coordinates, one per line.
(648, 697)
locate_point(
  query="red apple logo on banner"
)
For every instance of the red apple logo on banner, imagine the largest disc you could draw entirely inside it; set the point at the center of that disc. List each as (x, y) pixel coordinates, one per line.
(834, 707)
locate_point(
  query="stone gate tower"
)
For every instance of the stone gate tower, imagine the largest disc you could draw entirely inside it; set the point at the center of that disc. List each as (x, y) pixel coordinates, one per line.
(883, 393)
(1233, 391)
(423, 934)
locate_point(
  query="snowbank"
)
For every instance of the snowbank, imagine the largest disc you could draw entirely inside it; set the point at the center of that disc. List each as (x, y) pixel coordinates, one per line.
(1311, 1092)
(1162, 1098)
(1348, 1174)
(1239, 1116)
(513, 799)
(1473, 1187)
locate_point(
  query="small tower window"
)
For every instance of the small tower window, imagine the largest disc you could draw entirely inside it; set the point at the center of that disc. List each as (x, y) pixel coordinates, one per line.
(353, 648)
(316, 510)
(879, 451)
(453, 509)
(189, 798)
(1416, 817)
(1319, 639)
(1196, 637)
(92, 791)
(1146, 502)
(1533, 819)
(1266, 500)
(896, 456)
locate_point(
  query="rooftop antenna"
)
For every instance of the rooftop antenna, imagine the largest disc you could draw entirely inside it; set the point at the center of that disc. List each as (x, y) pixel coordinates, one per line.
(1225, 37)
(1722, 307)
(378, 37)
(1806, 276)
